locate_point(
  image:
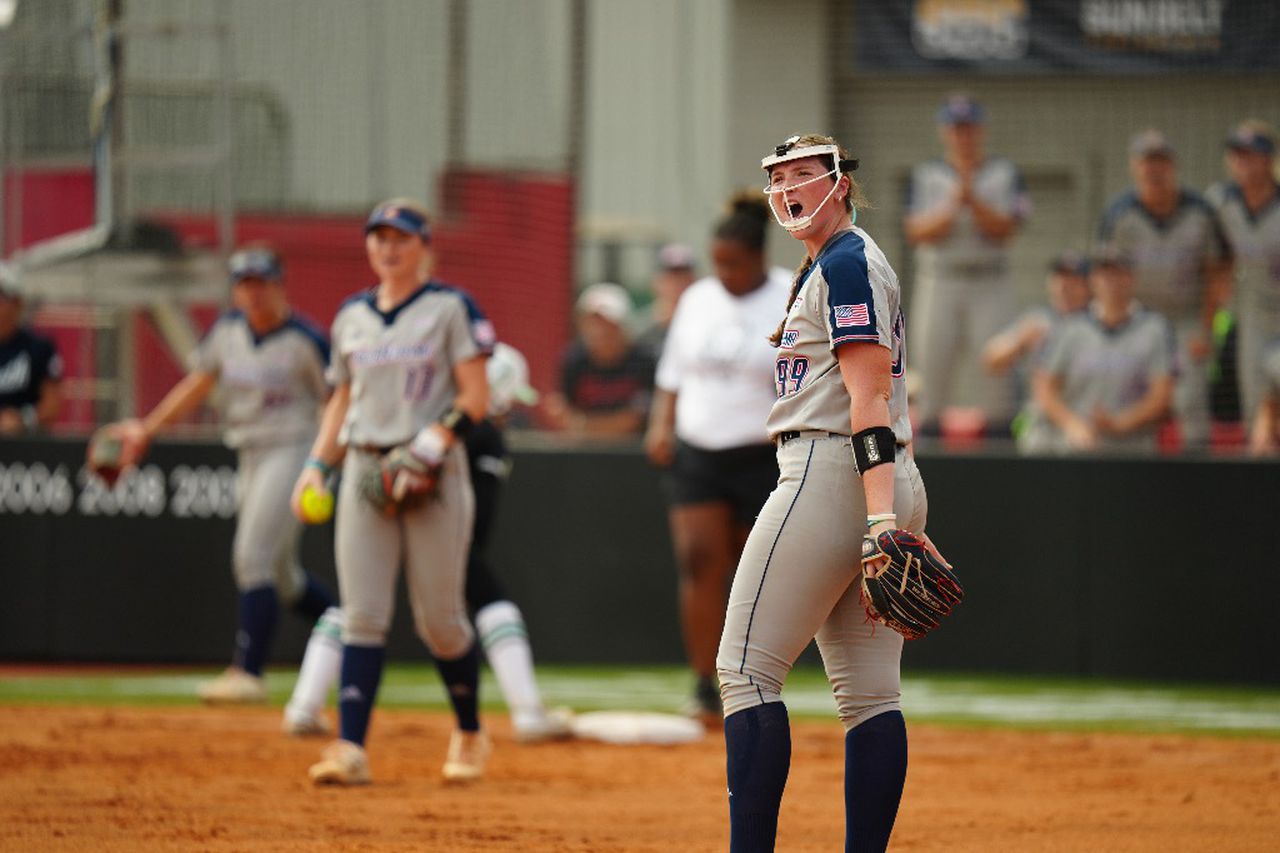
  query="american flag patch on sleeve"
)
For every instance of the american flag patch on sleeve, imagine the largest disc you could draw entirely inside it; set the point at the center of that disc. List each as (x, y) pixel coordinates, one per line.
(852, 315)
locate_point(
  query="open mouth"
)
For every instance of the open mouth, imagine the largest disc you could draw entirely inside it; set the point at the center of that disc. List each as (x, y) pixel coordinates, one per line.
(794, 208)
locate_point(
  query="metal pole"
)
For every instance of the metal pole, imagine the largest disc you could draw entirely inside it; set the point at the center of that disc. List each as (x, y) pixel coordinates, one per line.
(455, 143)
(226, 190)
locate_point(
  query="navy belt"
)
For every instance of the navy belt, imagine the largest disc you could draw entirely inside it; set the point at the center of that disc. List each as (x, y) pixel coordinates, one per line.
(790, 435)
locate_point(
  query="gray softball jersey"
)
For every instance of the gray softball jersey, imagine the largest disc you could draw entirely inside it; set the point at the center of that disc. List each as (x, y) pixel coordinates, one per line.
(1110, 367)
(849, 295)
(1169, 255)
(965, 252)
(273, 386)
(400, 363)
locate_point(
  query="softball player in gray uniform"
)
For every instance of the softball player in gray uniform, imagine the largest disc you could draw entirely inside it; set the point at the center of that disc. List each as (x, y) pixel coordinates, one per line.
(270, 365)
(1180, 256)
(841, 429)
(1105, 379)
(1248, 207)
(962, 211)
(408, 369)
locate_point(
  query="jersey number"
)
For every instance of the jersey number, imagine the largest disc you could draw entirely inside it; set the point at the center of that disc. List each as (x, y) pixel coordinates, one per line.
(418, 381)
(791, 370)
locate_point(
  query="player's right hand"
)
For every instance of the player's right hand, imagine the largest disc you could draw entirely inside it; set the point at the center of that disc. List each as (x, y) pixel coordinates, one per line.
(309, 478)
(660, 445)
(1080, 435)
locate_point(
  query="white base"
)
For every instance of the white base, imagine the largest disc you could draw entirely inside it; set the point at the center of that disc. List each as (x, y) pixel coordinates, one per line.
(631, 727)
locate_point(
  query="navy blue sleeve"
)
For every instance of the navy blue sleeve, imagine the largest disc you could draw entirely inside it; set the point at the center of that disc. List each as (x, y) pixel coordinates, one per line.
(851, 311)
(313, 334)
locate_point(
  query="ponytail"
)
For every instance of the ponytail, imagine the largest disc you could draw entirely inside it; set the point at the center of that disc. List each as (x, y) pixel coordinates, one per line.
(807, 264)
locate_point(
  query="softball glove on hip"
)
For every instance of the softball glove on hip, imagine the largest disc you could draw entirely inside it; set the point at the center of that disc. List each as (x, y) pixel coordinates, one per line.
(905, 584)
(400, 481)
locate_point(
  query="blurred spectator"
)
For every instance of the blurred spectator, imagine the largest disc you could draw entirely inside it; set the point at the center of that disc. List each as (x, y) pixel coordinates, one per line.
(1067, 288)
(1264, 435)
(715, 388)
(30, 367)
(1181, 264)
(1248, 206)
(1012, 352)
(605, 380)
(1105, 380)
(962, 211)
(676, 271)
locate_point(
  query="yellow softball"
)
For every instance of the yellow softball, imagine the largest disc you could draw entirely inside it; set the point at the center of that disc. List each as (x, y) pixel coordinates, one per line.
(317, 505)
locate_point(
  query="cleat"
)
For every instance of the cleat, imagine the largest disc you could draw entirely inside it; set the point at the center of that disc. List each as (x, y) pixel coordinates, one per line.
(233, 687)
(300, 724)
(555, 724)
(468, 753)
(341, 763)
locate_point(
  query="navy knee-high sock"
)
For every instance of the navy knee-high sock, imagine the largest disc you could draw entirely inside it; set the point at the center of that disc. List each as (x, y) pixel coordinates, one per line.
(361, 675)
(461, 678)
(258, 610)
(875, 769)
(314, 601)
(758, 756)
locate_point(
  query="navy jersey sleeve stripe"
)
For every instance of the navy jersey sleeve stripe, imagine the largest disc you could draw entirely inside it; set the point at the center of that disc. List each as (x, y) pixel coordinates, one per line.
(1107, 225)
(851, 311)
(314, 335)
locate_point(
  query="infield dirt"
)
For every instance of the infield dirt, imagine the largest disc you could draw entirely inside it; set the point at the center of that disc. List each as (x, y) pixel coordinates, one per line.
(79, 778)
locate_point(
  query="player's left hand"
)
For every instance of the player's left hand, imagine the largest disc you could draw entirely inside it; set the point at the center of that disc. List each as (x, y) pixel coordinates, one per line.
(400, 481)
(906, 585)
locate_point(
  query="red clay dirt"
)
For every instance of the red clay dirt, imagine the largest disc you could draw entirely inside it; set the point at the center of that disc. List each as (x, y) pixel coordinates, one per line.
(83, 778)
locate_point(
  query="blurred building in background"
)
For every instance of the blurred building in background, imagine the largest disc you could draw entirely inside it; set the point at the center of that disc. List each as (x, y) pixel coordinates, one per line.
(558, 142)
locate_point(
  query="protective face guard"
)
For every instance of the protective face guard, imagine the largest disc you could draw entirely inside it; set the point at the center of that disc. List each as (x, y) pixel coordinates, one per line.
(787, 152)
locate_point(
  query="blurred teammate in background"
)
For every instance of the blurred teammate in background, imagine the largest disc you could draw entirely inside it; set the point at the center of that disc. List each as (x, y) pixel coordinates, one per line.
(962, 212)
(676, 271)
(270, 364)
(1181, 267)
(498, 620)
(715, 387)
(30, 367)
(408, 371)
(1013, 351)
(1248, 206)
(606, 381)
(1105, 378)
(1264, 433)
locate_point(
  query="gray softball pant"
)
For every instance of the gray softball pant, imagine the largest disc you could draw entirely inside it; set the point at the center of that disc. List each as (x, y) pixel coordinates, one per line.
(265, 549)
(430, 540)
(952, 318)
(797, 580)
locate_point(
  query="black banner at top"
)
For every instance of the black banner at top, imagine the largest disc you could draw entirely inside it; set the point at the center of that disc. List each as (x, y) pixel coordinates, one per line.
(1054, 36)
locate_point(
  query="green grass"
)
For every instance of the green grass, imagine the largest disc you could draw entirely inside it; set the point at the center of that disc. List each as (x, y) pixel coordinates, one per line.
(971, 700)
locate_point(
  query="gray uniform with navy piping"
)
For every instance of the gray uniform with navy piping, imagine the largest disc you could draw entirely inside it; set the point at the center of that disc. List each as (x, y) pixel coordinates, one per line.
(400, 368)
(798, 572)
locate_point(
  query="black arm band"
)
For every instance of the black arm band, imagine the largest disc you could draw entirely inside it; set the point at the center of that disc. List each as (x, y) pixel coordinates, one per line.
(872, 447)
(457, 422)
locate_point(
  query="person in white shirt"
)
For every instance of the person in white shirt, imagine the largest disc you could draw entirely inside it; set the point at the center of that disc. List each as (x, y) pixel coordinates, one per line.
(715, 387)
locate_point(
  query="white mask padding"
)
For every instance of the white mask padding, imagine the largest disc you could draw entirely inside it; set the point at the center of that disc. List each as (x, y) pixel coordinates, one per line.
(803, 222)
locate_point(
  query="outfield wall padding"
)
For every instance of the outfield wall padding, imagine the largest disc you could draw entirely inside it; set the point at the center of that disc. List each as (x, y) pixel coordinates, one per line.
(1142, 568)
